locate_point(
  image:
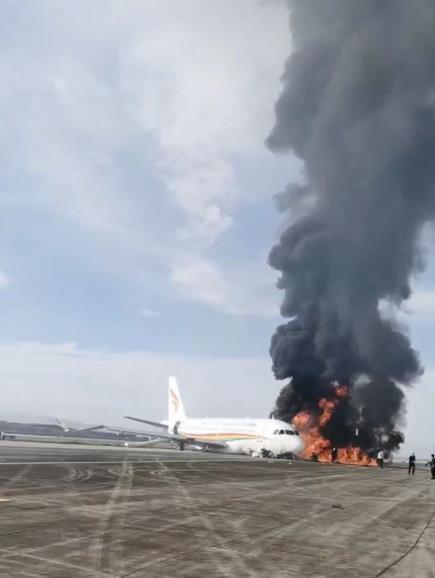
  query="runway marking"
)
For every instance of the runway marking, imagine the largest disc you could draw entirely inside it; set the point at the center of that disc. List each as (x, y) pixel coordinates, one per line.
(219, 547)
(21, 474)
(97, 545)
(232, 557)
(183, 499)
(57, 562)
(119, 491)
(88, 462)
(5, 499)
(6, 552)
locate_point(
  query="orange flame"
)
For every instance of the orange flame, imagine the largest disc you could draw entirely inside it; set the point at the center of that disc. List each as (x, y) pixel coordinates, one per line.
(341, 391)
(315, 444)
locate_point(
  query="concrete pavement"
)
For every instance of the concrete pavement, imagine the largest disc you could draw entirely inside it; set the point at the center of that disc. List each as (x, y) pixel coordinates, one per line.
(113, 512)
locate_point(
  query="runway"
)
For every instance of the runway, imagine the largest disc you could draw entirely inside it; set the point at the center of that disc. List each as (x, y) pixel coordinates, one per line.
(73, 511)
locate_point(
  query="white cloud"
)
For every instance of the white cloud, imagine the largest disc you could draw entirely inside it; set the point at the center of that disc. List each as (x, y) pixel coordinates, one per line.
(243, 291)
(420, 424)
(202, 280)
(93, 95)
(419, 307)
(205, 78)
(93, 386)
(422, 303)
(5, 280)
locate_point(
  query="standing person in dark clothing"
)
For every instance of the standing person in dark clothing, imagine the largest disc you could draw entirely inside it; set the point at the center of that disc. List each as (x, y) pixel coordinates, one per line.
(380, 458)
(334, 455)
(411, 464)
(432, 466)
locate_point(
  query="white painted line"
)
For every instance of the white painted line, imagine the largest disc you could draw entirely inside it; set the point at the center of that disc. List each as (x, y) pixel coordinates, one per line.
(90, 462)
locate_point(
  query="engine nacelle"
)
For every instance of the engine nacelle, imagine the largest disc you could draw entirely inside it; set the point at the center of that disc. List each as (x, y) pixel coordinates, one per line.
(174, 429)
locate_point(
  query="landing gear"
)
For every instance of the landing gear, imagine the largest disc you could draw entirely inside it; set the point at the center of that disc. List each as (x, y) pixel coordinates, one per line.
(266, 453)
(181, 446)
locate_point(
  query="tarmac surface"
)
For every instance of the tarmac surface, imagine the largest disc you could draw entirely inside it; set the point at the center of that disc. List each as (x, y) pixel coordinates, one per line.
(73, 511)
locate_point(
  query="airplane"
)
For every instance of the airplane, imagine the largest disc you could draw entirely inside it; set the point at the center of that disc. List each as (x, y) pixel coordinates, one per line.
(59, 430)
(68, 429)
(255, 437)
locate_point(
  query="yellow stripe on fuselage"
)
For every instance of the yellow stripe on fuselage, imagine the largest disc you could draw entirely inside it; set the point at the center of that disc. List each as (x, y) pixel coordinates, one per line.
(230, 436)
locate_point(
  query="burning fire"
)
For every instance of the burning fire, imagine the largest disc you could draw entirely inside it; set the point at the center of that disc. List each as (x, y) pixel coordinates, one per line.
(315, 444)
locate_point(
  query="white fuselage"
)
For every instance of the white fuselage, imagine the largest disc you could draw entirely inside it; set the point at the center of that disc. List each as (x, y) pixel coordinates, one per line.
(244, 435)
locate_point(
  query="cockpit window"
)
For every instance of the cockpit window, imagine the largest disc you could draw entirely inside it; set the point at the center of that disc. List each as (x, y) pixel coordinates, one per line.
(289, 432)
(281, 432)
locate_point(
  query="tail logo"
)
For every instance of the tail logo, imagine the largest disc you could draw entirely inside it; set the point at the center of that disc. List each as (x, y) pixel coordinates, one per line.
(175, 401)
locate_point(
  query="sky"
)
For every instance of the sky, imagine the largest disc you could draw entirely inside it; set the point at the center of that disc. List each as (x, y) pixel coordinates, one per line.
(137, 211)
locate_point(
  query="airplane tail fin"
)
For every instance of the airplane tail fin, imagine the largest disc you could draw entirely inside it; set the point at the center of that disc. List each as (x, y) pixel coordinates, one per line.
(175, 405)
(62, 424)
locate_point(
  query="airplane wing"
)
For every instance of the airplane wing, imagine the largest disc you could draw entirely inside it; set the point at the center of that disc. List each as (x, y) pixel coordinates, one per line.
(74, 430)
(127, 430)
(148, 422)
(69, 429)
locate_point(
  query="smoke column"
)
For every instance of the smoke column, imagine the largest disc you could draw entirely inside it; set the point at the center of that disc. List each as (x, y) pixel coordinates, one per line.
(358, 108)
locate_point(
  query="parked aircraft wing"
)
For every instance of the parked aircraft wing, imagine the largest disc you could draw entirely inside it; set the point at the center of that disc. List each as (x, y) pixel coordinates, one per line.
(148, 422)
(74, 430)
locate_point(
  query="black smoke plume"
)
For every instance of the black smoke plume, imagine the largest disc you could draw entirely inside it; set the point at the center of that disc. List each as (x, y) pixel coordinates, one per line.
(358, 108)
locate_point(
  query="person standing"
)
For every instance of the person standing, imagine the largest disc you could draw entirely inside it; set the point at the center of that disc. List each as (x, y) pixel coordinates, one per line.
(334, 454)
(432, 466)
(381, 458)
(411, 464)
